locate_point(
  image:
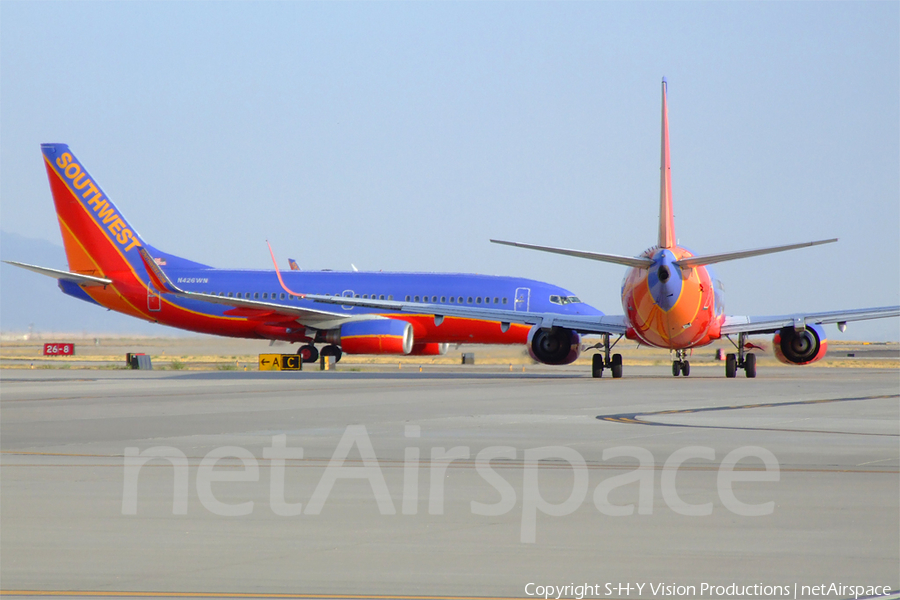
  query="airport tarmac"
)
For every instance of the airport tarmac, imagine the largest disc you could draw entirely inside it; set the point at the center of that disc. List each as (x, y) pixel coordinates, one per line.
(455, 484)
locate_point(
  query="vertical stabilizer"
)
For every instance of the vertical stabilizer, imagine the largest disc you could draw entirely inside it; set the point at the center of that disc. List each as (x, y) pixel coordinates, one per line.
(97, 238)
(666, 217)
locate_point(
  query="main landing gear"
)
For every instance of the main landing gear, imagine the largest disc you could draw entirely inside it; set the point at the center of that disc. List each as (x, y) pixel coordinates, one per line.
(741, 361)
(309, 353)
(603, 361)
(681, 366)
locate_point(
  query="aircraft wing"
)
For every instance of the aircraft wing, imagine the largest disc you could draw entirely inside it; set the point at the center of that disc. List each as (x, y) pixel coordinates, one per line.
(85, 280)
(318, 319)
(771, 324)
(596, 324)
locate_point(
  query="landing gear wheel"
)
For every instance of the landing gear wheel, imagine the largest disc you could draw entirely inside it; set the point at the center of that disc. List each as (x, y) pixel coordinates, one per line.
(676, 368)
(750, 365)
(308, 353)
(616, 366)
(332, 350)
(597, 366)
(685, 368)
(730, 365)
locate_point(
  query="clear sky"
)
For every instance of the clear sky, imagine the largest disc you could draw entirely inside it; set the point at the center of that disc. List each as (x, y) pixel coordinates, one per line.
(402, 136)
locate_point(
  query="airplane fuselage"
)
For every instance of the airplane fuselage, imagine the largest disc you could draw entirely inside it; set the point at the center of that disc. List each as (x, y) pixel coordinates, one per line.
(671, 307)
(132, 296)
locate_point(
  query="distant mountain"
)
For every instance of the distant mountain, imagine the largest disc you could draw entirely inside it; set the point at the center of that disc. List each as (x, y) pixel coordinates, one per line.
(28, 299)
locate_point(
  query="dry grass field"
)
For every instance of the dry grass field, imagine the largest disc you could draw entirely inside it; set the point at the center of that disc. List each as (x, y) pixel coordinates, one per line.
(215, 353)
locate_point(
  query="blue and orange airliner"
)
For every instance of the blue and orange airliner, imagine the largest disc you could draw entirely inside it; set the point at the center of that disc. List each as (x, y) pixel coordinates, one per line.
(671, 299)
(114, 267)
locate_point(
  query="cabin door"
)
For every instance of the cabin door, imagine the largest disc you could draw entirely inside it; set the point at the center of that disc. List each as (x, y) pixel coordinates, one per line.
(347, 294)
(523, 299)
(153, 301)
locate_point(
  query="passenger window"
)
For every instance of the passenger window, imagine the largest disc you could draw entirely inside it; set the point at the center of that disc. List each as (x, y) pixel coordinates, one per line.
(487, 300)
(282, 296)
(470, 300)
(478, 300)
(221, 293)
(504, 301)
(460, 300)
(416, 299)
(496, 300)
(229, 294)
(381, 297)
(356, 296)
(452, 299)
(391, 297)
(443, 299)
(365, 296)
(256, 295)
(407, 298)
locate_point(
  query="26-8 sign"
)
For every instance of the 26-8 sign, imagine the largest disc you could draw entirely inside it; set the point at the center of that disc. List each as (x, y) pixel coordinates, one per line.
(59, 349)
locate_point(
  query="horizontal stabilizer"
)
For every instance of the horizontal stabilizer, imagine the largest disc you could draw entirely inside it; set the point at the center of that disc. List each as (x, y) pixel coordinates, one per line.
(628, 261)
(698, 261)
(85, 280)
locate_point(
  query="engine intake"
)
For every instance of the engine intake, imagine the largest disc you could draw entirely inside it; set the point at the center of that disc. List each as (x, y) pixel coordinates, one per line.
(555, 346)
(794, 347)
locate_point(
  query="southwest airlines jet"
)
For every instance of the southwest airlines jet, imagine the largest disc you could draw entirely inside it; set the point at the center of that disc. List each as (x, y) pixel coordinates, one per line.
(111, 265)
(671, 300)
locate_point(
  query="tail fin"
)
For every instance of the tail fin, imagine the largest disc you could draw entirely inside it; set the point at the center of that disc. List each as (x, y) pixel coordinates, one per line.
(97, 238)
(666, 216)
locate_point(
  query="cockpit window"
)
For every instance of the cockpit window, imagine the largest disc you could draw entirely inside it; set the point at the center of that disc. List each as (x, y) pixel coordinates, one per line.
(554, 299)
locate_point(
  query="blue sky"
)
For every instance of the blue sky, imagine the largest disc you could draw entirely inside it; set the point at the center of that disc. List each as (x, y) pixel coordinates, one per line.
(402, 136)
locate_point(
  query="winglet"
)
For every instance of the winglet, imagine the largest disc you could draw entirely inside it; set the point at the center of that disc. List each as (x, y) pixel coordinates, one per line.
(158, 277)
(666, 215)
(278, 273)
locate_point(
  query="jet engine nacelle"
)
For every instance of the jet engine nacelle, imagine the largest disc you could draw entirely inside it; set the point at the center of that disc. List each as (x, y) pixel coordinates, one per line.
(555, 346)
(794, 347)
(378, 336)
(430, 349)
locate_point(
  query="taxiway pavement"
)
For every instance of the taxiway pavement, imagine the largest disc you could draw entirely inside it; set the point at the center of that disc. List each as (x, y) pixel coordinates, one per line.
(67, 523)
